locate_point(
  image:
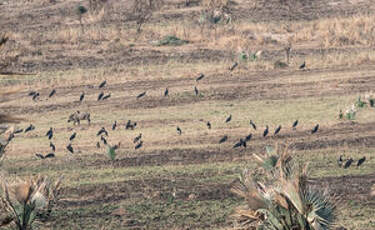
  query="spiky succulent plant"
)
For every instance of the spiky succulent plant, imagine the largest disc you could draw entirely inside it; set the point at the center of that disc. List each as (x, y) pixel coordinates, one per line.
(278, 197)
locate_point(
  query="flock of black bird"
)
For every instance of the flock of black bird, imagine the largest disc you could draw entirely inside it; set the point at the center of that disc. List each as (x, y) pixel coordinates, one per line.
(138, 142)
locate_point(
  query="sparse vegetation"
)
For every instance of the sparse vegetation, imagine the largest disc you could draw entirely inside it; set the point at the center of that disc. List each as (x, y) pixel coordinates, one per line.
(174, 181)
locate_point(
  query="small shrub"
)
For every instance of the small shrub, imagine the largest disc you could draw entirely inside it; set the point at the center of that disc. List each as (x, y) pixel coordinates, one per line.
(171, 41)
(111, 153)
(360, 103)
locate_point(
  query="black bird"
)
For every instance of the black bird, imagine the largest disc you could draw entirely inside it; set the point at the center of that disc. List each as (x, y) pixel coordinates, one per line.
(18, 131)
(179, 131)
(52, 146)
(361, 161)
(277, 130)
(340, 161)
(137, 138)
(82, 97)
(35, 96)
(248, 137)
(348, 163)
(102, 84)
(49, 155)
(303, 66)
(315, 129)
(166, 92)
(50, 132)
(208, 125)
(30, 128)
(139, 145)
(196, 91)
(128, 124)
(115, 147)
(295, 124)
(106, 96)
(104, 140)
(223, 139)
(98, 145)
(233, 66)
(100, 96)
(52, 93)
(70, 148)
(228, 119)
(141, 95)
(265, 131)
(114, 125)
(101, 131)
(238, 144)
(32, 93)
(200, 77)
(341, 114)
(73, 136)
(253, 124)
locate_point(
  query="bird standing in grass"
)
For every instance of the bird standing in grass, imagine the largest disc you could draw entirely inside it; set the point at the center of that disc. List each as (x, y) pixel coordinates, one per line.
(49, 134)
(196, 91)
(179, 131)
(73, 136)
(253, 125)
(200, 77)
(228, 119)
(36, 95)
(101, 131)
(315, 129)
(49, 155)
(265, 132)
(139, 145)
(137, 138)
(114, 125)
(340, 161)
(348, 163)
(30, 128)
(248, 137)
(53, 147)
(82, 97)
(303, 66)
(70, 148)
(361, 161)
(166, 92)
(295, 123)
(141, 95)
(231, 68)
(223, 139)
(106, 97)
(104, 140)
(277, 130)
(53, 92)
(238, 144)
(102, 84)
(208, 125)
(100, 96)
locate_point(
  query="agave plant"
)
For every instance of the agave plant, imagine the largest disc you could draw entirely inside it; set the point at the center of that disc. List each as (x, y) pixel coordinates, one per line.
(279, 197)
(25, 201)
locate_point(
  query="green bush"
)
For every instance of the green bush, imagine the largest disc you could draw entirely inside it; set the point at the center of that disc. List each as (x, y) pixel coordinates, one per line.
(171, 40)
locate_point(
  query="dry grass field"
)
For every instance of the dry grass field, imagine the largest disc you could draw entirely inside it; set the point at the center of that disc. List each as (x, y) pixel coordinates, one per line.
(183, 181)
